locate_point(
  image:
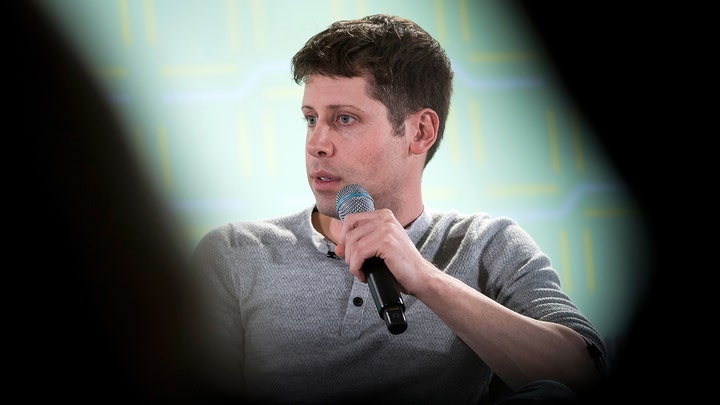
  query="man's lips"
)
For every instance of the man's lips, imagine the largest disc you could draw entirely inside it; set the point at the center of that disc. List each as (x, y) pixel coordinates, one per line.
(324, 176)
(324, 181)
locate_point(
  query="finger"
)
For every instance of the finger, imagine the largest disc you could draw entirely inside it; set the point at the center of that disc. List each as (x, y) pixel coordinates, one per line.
(340, 250)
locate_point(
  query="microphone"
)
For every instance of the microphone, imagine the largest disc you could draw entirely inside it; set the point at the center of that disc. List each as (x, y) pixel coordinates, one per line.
(383, 286)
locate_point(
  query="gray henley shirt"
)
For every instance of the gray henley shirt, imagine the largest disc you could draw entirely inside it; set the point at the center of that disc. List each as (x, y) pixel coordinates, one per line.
(302, 329)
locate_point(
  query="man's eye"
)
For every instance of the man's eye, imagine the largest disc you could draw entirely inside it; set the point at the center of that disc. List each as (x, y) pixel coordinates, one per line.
(346, 119)
(311, 120)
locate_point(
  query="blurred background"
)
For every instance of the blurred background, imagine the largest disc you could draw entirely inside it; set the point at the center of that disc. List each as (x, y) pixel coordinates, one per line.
(204, 94)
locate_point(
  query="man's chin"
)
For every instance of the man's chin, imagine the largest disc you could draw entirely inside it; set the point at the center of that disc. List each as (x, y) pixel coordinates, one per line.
(326, 208)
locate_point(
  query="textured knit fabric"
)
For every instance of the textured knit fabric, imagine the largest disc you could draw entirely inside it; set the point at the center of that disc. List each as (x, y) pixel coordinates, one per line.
(302, 329)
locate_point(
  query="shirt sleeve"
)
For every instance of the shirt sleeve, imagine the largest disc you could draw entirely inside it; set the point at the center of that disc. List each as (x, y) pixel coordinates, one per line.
(213, 259)
(522, 278)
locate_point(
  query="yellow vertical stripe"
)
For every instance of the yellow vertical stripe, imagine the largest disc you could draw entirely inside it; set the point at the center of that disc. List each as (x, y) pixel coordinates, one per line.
(258, 12)
(554, 141)
(477, 135)
(233, 24)
(452, 142)
(465, 21)
(244, 146)
(442, 27)
(150, 25)
(589, 260)
(125, 22)
(566, 272)
(362, 7)
(338, 10)
(271, 150)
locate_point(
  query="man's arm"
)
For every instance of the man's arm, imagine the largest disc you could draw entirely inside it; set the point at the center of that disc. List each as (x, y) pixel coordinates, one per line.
(518, 348)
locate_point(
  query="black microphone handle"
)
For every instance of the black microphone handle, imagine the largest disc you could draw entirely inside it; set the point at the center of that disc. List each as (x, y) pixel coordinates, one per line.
(385, 293)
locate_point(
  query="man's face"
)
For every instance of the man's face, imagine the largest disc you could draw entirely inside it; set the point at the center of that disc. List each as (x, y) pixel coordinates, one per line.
(350, 141)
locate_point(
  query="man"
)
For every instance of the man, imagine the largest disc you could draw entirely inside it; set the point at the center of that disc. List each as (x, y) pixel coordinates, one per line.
(481, 299)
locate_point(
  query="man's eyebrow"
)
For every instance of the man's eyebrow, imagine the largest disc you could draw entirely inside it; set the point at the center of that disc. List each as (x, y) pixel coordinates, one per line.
(334, 107)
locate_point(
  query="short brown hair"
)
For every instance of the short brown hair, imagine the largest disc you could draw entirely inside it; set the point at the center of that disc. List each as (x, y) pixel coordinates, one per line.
(407, 67)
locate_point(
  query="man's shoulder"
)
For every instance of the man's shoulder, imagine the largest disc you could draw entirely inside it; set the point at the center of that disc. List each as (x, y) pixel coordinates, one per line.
(478, 224)
(453, 218)
(262, 228)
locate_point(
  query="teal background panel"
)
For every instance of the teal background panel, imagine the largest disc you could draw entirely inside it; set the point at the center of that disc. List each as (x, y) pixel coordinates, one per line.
(204, 90)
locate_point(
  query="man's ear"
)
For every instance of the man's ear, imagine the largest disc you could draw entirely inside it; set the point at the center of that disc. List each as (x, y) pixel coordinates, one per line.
(425, 131)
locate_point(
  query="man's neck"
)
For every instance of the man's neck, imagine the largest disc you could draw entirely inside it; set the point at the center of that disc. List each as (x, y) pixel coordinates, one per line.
(329, 227)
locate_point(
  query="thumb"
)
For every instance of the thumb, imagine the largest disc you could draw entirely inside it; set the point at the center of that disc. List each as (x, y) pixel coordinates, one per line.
(340, 250)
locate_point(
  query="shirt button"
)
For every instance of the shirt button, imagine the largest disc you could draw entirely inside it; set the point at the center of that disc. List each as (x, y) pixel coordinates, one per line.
(357, 301)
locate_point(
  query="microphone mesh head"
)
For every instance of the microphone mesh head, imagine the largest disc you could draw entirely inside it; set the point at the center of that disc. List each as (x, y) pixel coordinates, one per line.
(351, 199)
